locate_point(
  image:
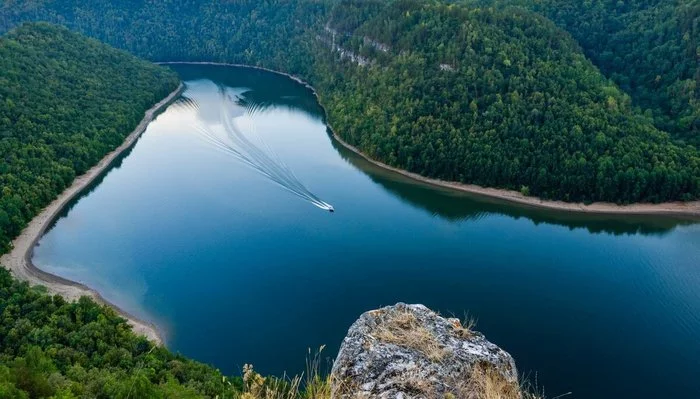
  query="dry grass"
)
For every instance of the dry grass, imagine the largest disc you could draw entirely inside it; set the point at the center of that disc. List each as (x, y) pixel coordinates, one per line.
(259, 387)
(402, 328)
(484, 381)
(464, 328)
(312, 386)
(316, 386)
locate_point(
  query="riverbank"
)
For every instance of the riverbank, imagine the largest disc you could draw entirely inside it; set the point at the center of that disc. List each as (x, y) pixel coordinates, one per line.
(683, 210)
(19, 259)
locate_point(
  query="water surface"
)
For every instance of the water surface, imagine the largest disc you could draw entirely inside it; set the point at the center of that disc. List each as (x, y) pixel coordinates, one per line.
(236, 269)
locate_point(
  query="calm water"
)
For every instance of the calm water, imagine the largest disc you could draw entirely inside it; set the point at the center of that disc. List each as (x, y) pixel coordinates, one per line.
(237, 269)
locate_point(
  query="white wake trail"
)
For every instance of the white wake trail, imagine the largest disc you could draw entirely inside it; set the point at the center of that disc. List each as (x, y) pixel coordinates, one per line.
(258, 155)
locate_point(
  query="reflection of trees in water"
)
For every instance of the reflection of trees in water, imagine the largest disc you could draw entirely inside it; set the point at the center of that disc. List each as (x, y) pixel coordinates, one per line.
(255, 102)
(244, 145)
(455, 206)
(271, 90)
(185, 103)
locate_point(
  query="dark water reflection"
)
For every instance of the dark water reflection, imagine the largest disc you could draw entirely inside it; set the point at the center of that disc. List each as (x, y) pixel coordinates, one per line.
(261, 90)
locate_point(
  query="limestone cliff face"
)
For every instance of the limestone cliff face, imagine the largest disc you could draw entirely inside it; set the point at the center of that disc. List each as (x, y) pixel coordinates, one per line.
(409, 351)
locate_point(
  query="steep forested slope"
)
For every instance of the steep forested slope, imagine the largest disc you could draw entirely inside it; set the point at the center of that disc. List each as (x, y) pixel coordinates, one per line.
(496, 96)
(65, 101)
(651, 48)
(244, 31)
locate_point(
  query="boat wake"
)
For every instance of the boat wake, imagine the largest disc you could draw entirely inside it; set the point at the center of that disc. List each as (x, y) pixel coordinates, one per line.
(248, 147)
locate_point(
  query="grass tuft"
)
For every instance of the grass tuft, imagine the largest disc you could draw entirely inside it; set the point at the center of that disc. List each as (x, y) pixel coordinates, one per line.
(313, 386)
(401, 328)
(485, 382)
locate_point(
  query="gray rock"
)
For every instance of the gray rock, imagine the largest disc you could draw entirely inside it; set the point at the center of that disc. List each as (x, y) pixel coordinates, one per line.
(408, 351)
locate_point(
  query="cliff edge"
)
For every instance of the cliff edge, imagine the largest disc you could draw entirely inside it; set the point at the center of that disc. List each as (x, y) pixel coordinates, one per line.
(409, 351)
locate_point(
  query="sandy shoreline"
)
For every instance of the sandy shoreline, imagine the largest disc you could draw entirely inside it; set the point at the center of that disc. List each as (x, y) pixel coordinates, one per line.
(681, 210)
(19, 260)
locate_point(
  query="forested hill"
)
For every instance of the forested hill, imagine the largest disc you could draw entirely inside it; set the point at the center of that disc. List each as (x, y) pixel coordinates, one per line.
(497, 96)
(65, 102)
(650, 48)
(242, 31)
(494, 97)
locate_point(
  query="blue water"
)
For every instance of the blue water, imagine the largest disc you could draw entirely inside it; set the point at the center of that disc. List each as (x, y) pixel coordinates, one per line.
(236, 269)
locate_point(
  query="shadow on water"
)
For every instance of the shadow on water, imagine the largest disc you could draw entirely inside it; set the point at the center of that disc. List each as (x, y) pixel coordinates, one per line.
(458, 206)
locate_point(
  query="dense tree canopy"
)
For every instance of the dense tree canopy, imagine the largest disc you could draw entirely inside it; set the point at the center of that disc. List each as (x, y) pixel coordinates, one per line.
(497, 98)
(52, 348)
(466, 91)
(65, 101)
(650, 48)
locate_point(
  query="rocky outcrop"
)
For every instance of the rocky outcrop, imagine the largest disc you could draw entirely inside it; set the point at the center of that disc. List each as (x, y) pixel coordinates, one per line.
(408, 351)
(447, 68)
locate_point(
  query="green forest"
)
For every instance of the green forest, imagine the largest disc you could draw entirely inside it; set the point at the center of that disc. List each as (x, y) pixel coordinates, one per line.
(649, 48)
(497, 98)
(577, 101)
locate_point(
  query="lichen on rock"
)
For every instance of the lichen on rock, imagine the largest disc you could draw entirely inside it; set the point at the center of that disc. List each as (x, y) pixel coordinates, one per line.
(409, 351)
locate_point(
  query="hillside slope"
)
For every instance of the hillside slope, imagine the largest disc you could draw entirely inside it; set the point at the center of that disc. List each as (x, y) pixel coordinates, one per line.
(81, 350)
(650, 48)
(493, 97)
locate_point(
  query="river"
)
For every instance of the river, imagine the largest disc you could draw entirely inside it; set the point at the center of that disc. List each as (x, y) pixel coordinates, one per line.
(222, 252)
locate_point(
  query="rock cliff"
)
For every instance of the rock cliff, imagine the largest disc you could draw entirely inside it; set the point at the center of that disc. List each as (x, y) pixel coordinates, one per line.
(408, 351)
